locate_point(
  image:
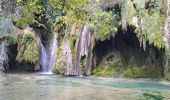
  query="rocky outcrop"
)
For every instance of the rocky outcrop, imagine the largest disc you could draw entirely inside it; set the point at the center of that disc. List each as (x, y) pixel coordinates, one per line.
(83, 52)
(28, 47)
(73, 57)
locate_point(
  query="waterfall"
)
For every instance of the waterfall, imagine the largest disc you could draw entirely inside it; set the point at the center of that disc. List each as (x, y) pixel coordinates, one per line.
(48, 56)
(84, 50)
(44, 57)
(52, 54)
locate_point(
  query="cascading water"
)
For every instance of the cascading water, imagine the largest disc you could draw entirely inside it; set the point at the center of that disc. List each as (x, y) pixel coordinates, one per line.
(84, 50)
(44, 58)
(48, 56)
(52, 54)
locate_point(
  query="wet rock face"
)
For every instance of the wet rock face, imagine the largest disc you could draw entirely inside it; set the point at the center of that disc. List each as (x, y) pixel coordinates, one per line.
(73, 57)
(83, 52)
(167, 26)
(167, 41)
(28, 48)
(68, 56)
(3, 55)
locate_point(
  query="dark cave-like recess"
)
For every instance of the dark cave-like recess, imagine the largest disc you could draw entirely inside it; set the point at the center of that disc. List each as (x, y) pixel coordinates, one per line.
(127, 45)
(14, 65)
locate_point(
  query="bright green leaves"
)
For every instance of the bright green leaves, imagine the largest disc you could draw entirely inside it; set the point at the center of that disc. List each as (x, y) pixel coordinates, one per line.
(107, 25)
(103, 16)
(22, 23)
(153, 28)
(105, 22)
(28, 10)
(148, 16)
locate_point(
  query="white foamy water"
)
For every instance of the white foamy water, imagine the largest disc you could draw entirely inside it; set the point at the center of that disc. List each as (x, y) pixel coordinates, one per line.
(48, 56)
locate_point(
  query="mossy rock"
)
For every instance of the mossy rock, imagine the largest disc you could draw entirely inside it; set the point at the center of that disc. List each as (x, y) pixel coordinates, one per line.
(28, 47)
(167, 76)
(140, 73)
(60, 62)
(106, 72)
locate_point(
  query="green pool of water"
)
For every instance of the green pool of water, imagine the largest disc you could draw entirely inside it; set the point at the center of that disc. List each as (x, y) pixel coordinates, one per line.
(52, 87)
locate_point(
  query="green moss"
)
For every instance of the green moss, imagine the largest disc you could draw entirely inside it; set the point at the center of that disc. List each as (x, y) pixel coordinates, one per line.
(140, 73)
(73, 43)
(132, 62)
(83, 65)
(31, 53)
(167, 76)
(105, 72)
(28, 47)
(22, 22)
(60, 61)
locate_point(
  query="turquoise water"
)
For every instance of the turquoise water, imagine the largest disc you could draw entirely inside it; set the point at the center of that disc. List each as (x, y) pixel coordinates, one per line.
(52, 87)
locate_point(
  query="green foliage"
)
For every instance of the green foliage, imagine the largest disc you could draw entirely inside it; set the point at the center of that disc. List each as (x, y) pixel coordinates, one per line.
(153, 34)
(60, 62)
(100, 71)
(22, 22)
(31, 53)
(29, 13)
(105, 23)
(106, 71)
(107, 26)
(151, 16)
(105, 16)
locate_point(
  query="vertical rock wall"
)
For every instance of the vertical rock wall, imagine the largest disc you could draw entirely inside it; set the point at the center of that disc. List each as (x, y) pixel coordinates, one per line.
(83, 52)
(74, 56)
(167, 40)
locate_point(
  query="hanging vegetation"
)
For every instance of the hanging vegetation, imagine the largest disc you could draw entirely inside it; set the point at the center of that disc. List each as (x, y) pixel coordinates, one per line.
(139, 23)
